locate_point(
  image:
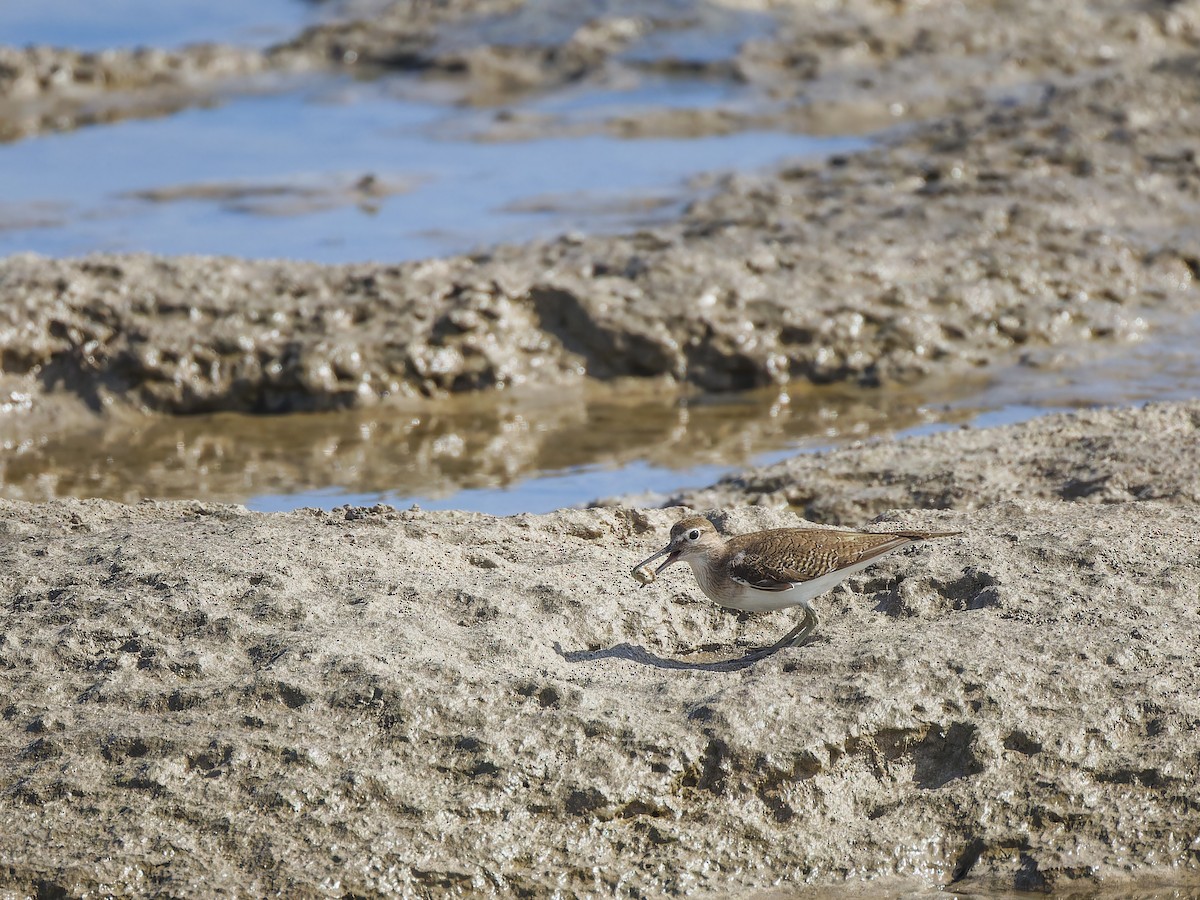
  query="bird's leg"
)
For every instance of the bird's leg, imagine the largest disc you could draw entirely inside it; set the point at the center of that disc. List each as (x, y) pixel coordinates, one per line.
(796, 636)
(793, 638)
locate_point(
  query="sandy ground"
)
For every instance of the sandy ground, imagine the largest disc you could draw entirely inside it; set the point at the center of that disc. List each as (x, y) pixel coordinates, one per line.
(1048, 206)
(372, 701)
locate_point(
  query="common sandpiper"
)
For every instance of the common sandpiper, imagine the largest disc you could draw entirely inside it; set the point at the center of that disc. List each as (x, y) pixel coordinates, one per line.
(775, 569)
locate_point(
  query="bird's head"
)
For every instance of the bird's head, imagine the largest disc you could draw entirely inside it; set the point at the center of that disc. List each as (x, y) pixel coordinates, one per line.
(692, 537)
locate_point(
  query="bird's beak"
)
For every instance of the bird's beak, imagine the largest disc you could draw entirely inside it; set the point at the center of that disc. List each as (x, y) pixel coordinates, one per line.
(668, 551)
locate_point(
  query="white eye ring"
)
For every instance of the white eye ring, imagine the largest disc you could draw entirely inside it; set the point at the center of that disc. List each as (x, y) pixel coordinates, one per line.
(694, 534)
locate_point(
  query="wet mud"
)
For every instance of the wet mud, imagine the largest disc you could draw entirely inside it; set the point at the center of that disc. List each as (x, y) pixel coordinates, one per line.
(840, 68)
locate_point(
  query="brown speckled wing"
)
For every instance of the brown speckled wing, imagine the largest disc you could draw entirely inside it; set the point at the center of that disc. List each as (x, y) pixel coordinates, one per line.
(777, 560)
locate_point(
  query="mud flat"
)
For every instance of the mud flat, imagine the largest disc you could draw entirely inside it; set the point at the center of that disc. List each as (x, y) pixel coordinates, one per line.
(380, 701)
(201, 699)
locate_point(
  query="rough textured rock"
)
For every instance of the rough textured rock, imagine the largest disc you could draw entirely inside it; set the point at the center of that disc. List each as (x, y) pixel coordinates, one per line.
(189, 334)
(51, 89)
(380, 702)
(1095, 456)
(842, 67)
(874, 59)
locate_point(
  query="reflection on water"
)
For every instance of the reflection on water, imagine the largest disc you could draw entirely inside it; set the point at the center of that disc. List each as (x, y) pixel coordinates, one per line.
(573, 448)
(509, 452)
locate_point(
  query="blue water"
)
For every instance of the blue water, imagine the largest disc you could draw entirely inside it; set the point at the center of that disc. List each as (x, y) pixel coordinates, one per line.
(457, 193)
(265, 168)
(101, 24)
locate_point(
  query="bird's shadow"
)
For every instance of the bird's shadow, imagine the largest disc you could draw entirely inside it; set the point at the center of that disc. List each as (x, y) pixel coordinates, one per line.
(634, 653)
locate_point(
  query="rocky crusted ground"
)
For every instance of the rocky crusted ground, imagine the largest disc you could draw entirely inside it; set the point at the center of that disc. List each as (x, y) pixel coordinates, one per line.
(1061, 214)
(374, 701)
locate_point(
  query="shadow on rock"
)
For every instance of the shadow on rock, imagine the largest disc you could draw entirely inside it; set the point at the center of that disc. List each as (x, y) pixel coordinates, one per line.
(637, 654)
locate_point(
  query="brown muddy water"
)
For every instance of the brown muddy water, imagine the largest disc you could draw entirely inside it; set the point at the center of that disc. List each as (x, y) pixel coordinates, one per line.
(510, 452)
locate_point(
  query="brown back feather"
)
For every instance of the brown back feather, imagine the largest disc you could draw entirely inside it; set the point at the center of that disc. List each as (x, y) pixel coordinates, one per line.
(777, 559)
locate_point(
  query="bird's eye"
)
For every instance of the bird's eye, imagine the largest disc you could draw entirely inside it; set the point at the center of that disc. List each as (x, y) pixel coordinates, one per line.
(694, 534)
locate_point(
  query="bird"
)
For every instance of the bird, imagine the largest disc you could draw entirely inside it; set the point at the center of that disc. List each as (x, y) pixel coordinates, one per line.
(776, 569)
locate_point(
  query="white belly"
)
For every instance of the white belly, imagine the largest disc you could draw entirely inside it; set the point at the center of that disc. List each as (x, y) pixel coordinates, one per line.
(734, 595)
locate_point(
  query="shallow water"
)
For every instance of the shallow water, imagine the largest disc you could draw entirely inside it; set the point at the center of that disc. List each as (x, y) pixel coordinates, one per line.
(334, 170)
(724, 434)
(501, 453)
(87, 25)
